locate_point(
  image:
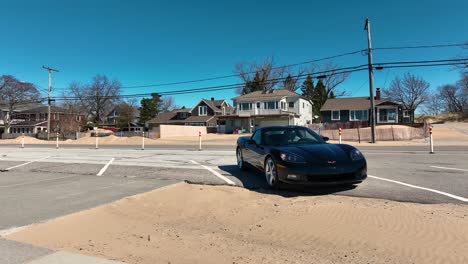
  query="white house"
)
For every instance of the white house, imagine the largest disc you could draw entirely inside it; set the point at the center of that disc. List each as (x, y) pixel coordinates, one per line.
(259, 109)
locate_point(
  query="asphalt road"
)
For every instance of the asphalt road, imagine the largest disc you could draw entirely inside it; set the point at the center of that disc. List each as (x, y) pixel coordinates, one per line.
(42, 183)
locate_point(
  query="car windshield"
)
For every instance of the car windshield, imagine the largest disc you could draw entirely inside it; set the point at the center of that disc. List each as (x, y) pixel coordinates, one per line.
(280, 136)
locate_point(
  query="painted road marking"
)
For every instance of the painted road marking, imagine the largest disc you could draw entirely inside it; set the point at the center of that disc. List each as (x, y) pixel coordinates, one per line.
(463, 199)
(447, 168)
(228, 181)
(29, 162)
(101, 172)
(33, 182)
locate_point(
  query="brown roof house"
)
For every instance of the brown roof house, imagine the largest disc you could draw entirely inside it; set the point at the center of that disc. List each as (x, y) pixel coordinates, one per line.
(266, 108)
(34, 120)
(358, 108)
(204, 113)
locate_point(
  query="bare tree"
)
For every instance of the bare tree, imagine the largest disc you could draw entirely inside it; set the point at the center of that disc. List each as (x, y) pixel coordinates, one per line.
(168, 104)
(333, 78)
(96, 98)
(259, 76)
(15, 93)
(434, 105)
(411, 91)
(127, 112)
(455, 97)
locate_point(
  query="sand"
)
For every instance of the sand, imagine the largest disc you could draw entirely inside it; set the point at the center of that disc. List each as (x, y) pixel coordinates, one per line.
(218, 224)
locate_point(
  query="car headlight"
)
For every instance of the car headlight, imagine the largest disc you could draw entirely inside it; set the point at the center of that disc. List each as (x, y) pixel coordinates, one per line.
(289, 157)
(356, 155)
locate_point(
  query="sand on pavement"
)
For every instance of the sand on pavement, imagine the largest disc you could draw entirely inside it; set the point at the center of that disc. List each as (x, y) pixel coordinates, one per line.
(218, 224)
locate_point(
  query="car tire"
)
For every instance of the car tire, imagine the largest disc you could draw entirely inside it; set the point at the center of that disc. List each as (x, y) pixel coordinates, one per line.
(240, 160)
(271, 173)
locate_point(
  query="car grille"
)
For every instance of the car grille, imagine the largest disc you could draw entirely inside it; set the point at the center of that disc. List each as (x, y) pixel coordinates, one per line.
(331, 178)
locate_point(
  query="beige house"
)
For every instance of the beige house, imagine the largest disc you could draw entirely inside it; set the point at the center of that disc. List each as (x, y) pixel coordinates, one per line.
(259, 109)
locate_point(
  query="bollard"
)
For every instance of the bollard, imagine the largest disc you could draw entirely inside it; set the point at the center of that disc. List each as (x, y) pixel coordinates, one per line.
(339, 132)
(97, 146)
(57, 146)
(431, 142)
(22, 141)
(199, 141)
(143, 140)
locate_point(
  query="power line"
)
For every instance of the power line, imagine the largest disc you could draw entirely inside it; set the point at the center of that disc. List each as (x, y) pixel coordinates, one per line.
(345, 70)
(423, 46)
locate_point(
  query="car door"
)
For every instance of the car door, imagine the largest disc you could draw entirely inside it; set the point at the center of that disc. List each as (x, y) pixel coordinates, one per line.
(257, 150)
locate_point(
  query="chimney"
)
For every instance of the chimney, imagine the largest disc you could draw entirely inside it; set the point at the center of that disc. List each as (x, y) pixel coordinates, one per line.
(377, 94)
(212, 98)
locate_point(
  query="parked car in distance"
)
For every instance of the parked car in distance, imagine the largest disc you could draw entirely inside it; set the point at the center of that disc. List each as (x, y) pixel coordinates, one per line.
(297, 155)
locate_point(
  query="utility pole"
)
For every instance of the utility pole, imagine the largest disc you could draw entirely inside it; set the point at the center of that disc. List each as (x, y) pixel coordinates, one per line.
(50, 70)
(371, 80)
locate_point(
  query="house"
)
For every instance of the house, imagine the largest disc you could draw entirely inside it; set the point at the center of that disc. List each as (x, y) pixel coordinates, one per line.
(33, 121)
(259, 108)
(112, 120)
(204, 113)
(5, 113)
(358, 108)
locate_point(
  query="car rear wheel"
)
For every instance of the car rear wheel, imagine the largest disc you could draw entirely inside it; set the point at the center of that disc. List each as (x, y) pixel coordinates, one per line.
(240, 160)
(271, 173)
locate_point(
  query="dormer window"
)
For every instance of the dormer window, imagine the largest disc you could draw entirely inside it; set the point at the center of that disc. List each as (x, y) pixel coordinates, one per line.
(202, 110)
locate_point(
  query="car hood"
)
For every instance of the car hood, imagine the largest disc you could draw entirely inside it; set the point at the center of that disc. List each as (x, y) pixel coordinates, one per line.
(321, 153)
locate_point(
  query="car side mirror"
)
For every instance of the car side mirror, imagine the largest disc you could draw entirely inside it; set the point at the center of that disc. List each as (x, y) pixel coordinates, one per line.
(325, 138)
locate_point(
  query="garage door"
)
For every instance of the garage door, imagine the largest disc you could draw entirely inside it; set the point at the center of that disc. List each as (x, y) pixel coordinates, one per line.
(280, 122)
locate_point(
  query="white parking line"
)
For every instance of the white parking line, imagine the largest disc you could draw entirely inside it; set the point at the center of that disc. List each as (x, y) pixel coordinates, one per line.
(447, 168)
(29, 162)
(463, 199)
(101, 172)
(228, 181)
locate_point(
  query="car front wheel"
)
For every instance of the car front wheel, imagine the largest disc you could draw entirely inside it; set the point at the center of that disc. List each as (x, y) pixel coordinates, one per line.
(271, 173)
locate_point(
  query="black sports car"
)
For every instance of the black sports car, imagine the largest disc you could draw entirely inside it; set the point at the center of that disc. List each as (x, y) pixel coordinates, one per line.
(297, 155)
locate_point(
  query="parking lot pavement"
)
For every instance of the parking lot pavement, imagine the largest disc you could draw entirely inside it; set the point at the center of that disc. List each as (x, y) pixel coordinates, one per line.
(38, 184)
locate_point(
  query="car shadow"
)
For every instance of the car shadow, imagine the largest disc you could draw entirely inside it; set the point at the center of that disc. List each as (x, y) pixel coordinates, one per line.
(254, 180)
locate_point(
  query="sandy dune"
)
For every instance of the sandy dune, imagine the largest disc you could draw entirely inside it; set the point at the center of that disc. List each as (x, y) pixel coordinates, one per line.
(216, 224)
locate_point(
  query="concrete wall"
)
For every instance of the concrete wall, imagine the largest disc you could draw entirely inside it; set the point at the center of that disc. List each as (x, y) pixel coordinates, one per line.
(180, 131)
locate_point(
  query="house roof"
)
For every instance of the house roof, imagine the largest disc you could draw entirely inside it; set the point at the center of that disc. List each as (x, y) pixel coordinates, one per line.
(351, 103)
(273, 94)
(198, 119)
(163, 117)
(21, 107)
(213, 104)
(44, 109)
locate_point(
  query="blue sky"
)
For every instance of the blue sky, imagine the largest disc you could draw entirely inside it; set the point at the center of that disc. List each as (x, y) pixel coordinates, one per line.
(150, 42)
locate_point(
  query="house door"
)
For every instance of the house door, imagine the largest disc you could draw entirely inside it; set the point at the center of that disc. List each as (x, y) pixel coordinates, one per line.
(257, 108)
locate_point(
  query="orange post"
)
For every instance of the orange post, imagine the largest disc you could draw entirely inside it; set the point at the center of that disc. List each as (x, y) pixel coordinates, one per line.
(431, 141)
(339, 132)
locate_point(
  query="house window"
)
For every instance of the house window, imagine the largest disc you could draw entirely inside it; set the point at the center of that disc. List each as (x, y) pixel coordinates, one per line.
(224, 110)
(271, 105)
(258, 105)
(202, 110)
(335, 115)
(358, 115)
(77, 118)
(291, 104)
(303, 105)
(283, 105)
(245, 106)
(406, 113)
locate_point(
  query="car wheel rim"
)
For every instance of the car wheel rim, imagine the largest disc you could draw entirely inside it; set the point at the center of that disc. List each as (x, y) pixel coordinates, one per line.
(239, 159)
(270, 172)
